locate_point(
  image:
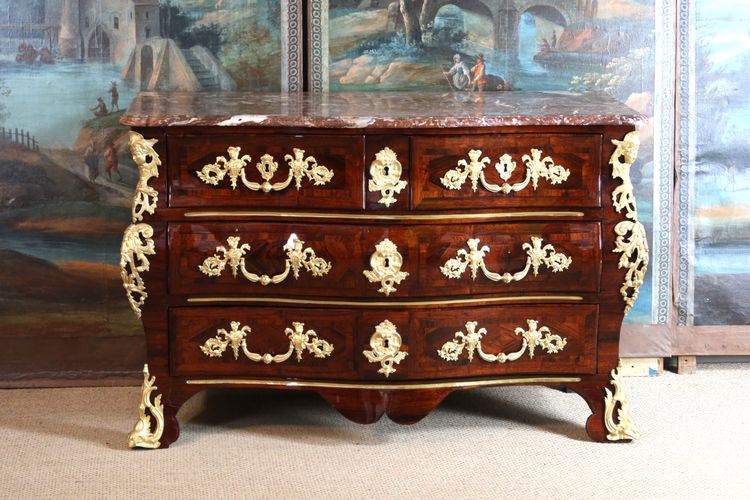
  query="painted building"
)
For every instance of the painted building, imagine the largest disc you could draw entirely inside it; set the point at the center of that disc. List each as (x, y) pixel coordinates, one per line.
(90, 30)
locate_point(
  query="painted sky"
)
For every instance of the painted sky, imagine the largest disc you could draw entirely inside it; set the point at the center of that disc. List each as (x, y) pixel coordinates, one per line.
(626, 8)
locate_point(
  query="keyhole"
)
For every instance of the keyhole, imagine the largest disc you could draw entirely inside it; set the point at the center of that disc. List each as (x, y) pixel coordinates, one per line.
(385, 170)
(387, 262)
(385, 343)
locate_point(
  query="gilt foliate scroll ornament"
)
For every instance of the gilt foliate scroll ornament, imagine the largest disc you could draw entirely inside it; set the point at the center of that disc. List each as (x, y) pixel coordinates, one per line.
(536, 168)
(234, 167)
(386, 348)
(148, 162)
(386, 264)
(631, 240)
(536, 256)
(622, 427)
(385, 176)
(533, 337)
(236, 338)
(298, 258)
(137, 244)
(143, 435)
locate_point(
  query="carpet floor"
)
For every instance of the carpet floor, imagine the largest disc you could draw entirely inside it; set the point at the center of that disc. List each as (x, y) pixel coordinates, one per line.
(509, 442)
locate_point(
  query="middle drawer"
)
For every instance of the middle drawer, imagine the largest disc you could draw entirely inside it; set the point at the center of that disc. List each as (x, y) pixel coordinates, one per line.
(339, 260)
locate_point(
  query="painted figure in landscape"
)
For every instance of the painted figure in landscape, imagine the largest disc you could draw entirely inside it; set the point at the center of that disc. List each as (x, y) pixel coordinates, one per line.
(460, 74)
(111, 162)
(478, 76)
(100, 109)
(114, 97)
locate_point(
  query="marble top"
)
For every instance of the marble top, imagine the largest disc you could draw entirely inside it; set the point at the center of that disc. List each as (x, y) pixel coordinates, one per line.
(376, 109)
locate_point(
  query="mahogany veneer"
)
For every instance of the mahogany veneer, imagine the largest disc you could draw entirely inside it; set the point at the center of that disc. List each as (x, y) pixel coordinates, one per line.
(558, 324)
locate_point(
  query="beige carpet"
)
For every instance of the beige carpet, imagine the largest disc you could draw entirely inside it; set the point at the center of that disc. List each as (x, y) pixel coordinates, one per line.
(510, 442)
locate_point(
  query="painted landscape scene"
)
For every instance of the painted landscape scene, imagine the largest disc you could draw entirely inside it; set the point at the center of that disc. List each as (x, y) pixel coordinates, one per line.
(68, 69)
(722, 172)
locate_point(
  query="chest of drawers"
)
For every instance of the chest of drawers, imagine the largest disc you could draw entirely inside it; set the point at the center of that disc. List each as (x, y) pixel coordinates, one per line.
(382, 250)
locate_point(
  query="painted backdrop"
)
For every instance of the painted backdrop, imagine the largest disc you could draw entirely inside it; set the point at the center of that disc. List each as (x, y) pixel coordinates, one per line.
(68, 69)
(714, 278)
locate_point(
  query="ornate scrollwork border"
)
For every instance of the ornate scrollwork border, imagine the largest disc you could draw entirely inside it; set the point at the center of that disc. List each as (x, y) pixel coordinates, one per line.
(623, 427)
(142, 436)
(148, 162)
(137, 244)
(631, 240)
(137, 240)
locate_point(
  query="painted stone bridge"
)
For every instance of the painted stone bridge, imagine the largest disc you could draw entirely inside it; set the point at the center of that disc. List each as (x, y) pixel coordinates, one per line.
(505, 15)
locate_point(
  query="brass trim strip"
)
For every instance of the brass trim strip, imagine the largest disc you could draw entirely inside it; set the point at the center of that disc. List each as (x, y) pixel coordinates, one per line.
(391, 387)
(416, 217)
(384, 304)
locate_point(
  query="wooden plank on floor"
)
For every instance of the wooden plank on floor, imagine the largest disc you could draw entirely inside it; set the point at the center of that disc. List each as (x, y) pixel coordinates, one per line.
(642, 367)
(686, 365)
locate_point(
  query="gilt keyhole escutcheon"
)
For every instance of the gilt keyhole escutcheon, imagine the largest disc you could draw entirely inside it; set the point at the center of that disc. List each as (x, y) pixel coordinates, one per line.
(386, 264)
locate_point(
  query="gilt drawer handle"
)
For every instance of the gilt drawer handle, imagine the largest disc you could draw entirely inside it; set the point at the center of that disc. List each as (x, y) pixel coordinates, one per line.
(299, 342)
(536, 167)
(533, 337)
(234, 167)
(474, 260)
(297, 258)
(385, 173)
(386, 264)
(386, 348)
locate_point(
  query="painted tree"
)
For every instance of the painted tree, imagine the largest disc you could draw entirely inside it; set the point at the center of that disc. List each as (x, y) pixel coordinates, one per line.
(429, 8)
(410, 11)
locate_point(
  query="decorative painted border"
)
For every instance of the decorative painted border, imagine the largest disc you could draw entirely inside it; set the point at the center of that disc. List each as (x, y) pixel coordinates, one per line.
(664, 90)
(686, 136)
(317, 45)
(291, 45)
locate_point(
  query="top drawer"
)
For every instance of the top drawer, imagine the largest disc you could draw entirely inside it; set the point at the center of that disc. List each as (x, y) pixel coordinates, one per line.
(269, 171)
(515, 170)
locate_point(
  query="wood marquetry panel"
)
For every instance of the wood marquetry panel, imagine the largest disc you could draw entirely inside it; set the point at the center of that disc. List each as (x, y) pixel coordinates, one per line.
(343, 156)
(434, 157)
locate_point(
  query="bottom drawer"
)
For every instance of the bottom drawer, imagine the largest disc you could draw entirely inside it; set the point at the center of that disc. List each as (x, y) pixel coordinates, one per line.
(384, 344)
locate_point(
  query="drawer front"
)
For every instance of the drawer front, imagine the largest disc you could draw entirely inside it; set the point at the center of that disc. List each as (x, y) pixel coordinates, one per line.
(270, 342)
(500, 340)
(384, 345)
(266, 171)
(519, 170)
(334, 260)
